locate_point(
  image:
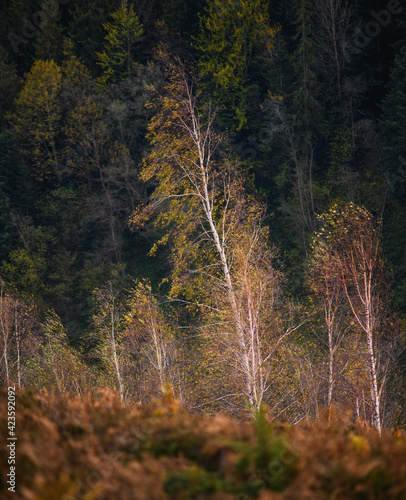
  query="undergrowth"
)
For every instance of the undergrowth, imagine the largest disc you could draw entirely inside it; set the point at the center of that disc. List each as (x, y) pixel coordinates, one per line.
(94, 448)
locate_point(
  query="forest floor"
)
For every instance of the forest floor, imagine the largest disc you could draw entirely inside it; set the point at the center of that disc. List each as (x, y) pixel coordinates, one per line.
(95, 448)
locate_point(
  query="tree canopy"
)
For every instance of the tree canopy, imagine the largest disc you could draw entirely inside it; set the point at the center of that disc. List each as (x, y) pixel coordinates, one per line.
(205, 200)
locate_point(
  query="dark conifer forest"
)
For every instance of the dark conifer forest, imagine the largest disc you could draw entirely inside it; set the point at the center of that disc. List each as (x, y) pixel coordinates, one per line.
(206, 200)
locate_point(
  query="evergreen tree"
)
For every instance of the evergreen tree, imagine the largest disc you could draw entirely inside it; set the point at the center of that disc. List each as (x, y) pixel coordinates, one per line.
(181, 16)
(20, 32)
(9, 84)
(233, 36)
(117, 59)
(393, 164)
(293, 119)
(393, 127)
(16, 193)
(49, 41)
(86, 28)
(36, 118)
(304, 97)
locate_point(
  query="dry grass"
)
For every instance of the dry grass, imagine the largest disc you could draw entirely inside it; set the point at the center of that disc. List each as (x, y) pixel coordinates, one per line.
(95, 448)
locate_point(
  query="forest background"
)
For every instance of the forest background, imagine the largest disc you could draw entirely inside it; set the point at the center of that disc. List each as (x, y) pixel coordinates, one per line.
(207, 198)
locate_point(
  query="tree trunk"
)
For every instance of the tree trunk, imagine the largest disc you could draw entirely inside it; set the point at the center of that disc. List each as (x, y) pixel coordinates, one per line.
(17, 335)
(373, 377)
(115, 357)
(5, 335)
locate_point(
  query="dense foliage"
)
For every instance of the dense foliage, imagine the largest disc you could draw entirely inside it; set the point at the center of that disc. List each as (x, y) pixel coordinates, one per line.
(206, 198)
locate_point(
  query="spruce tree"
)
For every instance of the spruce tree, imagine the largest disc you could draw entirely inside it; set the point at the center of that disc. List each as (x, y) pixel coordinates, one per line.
(233, 35)
(393, 127)
(117, 59)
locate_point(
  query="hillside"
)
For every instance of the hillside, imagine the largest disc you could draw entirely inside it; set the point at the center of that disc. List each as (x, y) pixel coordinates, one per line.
(206, 196)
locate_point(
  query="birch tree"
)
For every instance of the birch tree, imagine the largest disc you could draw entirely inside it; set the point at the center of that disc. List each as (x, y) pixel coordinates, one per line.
(108, 323)
(5, 323)
(325, 285)
(17, 319)
(56, 364)
(219, 246)
(350, 240)
(155, 343)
